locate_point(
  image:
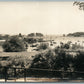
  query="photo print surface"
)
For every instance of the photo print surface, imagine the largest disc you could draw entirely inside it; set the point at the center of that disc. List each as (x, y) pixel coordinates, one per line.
(41, 41)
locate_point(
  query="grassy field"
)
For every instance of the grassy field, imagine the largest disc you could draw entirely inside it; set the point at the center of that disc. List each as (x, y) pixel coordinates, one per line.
(28, 54)
(7, 58)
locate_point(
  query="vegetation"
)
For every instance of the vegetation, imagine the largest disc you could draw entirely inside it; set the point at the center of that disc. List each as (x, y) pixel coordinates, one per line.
(19, 61)
(63, 61)
(53, 60)
(79, 61)
(59, 60)
(35, 34)
(76, 34)
(4, 37)
(14, 44)
(43, 46)
(16, 60)
(30, 40)
(56, 59)
(76, 46)
(65, 46)
(79, 4)
(34, 37)
(44, 60)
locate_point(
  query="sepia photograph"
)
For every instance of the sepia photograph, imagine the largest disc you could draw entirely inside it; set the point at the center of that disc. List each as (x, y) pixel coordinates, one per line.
(41, 41)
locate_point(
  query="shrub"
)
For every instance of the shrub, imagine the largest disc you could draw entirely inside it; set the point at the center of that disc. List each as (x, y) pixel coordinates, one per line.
(65, 46)
(31, 40)
(40, 40)
(19, 61)
(79, 62)
(76, 46)
(63, 60)
(35, 34)
(14, 44)
(43, 46)
(53, 60)
(44, 60)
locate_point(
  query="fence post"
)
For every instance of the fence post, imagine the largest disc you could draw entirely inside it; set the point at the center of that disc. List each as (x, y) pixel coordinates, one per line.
(15, 74)
(24, 75)
(5, 73)
(63, 74)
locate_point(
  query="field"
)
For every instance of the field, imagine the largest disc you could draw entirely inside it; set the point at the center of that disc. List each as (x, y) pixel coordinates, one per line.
(65, 39)
(28, 54)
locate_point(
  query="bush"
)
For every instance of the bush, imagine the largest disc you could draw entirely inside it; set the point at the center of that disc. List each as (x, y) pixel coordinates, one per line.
(65, 46)
(63, 61)
(44, 60)
(31, 40)
(79, 62)
(35, 34)
(40, 40)
(76, 46)
(14, 44)
(43, 46)
(19, 61)
(53, 60)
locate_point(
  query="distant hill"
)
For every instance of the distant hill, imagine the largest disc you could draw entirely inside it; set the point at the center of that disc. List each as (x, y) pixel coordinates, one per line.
(76, 34)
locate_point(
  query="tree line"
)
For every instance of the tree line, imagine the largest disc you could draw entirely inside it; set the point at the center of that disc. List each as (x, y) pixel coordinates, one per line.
(18, 43)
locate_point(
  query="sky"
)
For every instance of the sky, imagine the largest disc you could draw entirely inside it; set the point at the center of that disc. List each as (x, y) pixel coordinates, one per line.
(44, 17)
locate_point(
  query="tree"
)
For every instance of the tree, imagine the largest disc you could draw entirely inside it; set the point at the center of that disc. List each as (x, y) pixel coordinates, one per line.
(39, 34)
(20, 35)
(4, 37)
(79, 4)
(31, 34)
(76, 34)
(35, 34)
(14, 44)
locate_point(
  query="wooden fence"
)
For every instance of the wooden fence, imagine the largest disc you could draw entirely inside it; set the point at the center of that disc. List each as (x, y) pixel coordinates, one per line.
(25, 72)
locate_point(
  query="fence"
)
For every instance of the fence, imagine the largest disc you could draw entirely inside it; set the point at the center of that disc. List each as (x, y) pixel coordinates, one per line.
(15, 73)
